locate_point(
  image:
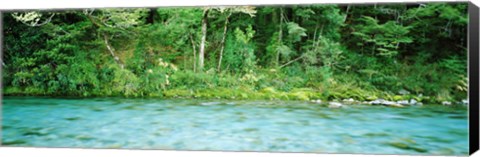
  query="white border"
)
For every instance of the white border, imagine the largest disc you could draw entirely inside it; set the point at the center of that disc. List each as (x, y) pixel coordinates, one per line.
(68, 4)
(63, 4)
(73, 152)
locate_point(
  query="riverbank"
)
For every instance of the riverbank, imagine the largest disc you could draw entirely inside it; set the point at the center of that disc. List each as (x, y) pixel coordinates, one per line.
(332, 99)
(343, 53)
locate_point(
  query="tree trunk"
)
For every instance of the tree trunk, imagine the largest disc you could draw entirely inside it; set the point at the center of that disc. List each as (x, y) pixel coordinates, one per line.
(346, 14)
(290, 62)
(204, 38)
(117, 60)
(314, 43)
(107, 44)
(225, 25)
(280, 36)
(152, 14)
(194, 54)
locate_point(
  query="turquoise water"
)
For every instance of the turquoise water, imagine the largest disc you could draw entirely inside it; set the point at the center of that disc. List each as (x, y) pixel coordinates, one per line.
(278, 126)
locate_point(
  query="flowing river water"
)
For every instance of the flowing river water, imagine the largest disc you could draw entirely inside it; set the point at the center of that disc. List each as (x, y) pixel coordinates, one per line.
(221, 125)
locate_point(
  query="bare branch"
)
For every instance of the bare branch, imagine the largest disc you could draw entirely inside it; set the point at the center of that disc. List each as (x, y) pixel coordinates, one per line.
(110, 49)
(290, 62)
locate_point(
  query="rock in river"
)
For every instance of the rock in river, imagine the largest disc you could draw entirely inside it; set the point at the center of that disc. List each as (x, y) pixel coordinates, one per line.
(349, 101)
(446, 103)
(380, 102)
(334, 105)
(413, 102)
(385, 102)
(403, 102)
(318, 101)
(210, 103)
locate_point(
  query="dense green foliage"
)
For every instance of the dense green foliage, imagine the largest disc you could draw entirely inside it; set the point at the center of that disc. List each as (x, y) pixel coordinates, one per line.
(268, 52)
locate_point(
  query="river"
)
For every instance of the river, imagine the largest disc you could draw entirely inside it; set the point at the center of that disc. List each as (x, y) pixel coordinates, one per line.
(277, 126)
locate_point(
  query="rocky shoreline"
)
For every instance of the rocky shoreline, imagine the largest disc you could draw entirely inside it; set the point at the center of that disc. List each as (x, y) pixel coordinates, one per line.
(399, 103)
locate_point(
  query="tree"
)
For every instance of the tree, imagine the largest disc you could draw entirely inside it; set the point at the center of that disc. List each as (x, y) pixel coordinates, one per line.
(384, 37)
(201, 56)
(366, 48)
(228, 11)
(112, 21)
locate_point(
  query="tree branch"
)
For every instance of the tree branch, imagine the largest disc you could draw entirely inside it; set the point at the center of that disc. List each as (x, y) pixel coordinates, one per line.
(110, 49)
(225, 26)
(290, 62)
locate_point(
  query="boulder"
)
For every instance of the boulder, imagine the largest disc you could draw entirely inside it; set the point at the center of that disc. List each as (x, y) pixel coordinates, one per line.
(349, 101)
(388, 103)
(385, 102)
(334, 105)
(403, 102)
(446, 103)
(318, 101)
(391, 103)
(413, 102)
(376, 102)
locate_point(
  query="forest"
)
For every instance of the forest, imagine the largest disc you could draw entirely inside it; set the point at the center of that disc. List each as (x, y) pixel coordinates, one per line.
(292, 52)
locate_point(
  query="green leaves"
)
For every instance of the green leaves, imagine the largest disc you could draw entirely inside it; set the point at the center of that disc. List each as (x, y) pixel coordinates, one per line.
(385, 37)
(246, 36)
(239, 52)
(296, 32)
(121, 18)
(284, 50)
(305, 12)
(324, 47)
(327, 53)
(124, 82)
(434, 24)
(250, 10)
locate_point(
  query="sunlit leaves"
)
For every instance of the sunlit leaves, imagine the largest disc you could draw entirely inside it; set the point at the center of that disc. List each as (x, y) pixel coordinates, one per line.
(239, 50)
(33, 18)
(295, 31)
(122, 18)
(284, 50)
(305, 13)
(250, 10)
(246, 36)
